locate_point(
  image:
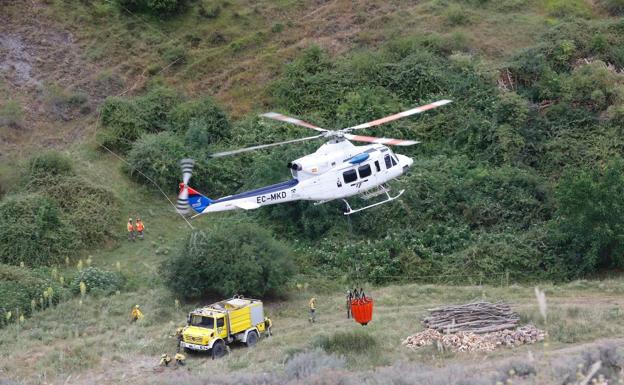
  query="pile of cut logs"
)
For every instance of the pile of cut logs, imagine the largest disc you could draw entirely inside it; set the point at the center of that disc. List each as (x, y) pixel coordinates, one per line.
(476, 317)
(479, 326)
(471, 342)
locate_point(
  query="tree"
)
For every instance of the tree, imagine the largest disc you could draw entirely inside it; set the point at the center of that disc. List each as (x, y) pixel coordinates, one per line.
(234, 258)
(589, 218)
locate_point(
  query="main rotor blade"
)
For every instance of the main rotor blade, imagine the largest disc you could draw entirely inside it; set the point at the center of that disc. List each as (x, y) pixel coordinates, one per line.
(400, 115)
(388, 141)
(288, 119)
(246, 149)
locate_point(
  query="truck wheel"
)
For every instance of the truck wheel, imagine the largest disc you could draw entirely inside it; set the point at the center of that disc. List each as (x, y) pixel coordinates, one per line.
(252, 338)
(218, 349)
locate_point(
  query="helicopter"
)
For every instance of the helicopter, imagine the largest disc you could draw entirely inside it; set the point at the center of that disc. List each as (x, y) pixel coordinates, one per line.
(338, 169)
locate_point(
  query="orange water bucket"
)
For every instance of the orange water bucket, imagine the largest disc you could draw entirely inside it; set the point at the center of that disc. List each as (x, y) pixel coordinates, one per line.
(362, 310)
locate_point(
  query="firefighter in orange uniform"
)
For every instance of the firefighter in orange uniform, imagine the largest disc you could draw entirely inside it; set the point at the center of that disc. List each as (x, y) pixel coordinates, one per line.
(130, 227)
(139, 228)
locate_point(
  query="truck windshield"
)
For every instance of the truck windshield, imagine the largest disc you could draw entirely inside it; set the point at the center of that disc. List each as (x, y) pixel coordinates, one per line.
(205, 322)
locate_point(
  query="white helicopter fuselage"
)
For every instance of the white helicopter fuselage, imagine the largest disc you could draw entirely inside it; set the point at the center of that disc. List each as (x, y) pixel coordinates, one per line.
(337, 170)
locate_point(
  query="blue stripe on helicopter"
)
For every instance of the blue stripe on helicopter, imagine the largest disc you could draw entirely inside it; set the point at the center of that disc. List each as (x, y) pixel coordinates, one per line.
(260, 191)
(359, 158)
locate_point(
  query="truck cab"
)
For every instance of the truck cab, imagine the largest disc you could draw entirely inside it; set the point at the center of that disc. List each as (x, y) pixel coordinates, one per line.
(214, 326)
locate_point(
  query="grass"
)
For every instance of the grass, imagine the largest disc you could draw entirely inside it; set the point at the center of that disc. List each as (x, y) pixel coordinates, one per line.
(100, 337)
(234, 53)
(261, 33)
(75, 339)
(96, 337)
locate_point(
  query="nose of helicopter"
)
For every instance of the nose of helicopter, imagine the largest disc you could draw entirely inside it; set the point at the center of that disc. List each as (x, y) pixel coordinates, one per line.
(405, 160)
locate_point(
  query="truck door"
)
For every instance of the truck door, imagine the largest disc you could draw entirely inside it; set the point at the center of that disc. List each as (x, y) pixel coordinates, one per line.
(220, 327)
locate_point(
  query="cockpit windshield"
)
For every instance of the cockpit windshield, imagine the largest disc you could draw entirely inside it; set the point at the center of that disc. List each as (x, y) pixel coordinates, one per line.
(202, 321)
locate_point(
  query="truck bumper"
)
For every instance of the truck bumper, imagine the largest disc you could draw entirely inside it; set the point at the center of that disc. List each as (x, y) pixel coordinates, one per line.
(194, 346)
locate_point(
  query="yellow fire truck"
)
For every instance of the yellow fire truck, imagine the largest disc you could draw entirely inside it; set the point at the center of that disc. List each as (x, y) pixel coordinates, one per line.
(212, 327)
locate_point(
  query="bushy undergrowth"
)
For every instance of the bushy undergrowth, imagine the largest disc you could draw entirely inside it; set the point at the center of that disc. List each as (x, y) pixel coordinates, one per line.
(241, 258)
(158, 7)
(589, 225)
(481, 193)
(22, 291)
(97, 281)
(50, 163)
(34, 231)
(53, 213)
(91, 209)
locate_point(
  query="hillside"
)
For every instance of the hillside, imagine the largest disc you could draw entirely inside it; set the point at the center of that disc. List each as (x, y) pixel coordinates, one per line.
(517, 183)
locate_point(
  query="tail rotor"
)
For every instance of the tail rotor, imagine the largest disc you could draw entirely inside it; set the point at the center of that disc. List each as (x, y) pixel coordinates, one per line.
(182, 205)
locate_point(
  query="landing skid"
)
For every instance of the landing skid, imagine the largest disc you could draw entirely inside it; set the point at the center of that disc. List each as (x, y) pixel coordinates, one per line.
(388, 199)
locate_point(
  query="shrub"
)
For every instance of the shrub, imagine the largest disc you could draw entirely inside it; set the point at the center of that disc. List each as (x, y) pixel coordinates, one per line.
(174, 54)
(97, 281)
(159, 7)
(206, 113)
(456, 15)
(590, 208)
(347, 342)
(122, 123)
(92, 209)
(125, 119)
(211, 12)
(614, 7)
(157, 105)
(241, 258)
(277, 27)
(163, 6)
(19, 286)
(595, 86)
(157, 156)
(11, 113)
(34, 232)
(48, 164)
(306, 364)
(509, 143)
(568, 8)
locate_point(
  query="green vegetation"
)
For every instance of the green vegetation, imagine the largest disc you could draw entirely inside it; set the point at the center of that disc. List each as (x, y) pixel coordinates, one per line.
(482, 203)
(589, 218)
(23, 291)
(34, 232)
(54, 213)
(159, 7)
(352, 342)
(615, 7)
(518, 180)
(48, 164)
(97, 281)
(241, 258)
(11, 113)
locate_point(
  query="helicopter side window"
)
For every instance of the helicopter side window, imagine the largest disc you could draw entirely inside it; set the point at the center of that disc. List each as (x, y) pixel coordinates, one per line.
(377, 166)
(349, 176)
(388, 161)
(394, 161)
(364, 171)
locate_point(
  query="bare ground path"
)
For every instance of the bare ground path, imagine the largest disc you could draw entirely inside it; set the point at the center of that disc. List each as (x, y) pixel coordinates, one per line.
(44, 70)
